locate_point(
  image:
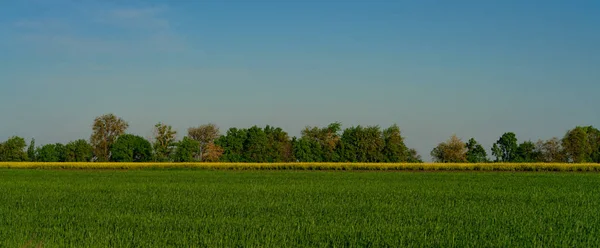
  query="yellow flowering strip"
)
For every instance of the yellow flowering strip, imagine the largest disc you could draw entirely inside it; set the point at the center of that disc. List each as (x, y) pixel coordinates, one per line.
(314, 166)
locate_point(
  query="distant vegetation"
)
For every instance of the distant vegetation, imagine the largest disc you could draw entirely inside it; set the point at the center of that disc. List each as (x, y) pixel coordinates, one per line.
(110, 142)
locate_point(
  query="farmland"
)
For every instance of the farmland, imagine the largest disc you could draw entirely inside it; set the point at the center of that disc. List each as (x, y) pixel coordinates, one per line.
(227, 208)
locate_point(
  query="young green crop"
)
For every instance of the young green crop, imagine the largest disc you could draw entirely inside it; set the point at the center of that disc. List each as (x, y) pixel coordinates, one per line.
(208, 208)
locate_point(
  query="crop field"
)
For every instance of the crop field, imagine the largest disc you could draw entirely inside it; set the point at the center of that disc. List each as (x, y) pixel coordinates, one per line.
(313, 166)
(250, 208)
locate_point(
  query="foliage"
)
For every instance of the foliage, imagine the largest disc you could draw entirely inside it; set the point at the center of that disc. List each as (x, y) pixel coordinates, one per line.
(451, 151)
(550, 151)
(394, 149)
(164, 142)
(204, 135)
(13, 150)
(505, 149)
(582, 144)
(213, 153)
(79, 151)
(51, 153)
(233, 145)
(186, 150)
(475, 152)
(31, 151)
(106, 129)
(131, 148)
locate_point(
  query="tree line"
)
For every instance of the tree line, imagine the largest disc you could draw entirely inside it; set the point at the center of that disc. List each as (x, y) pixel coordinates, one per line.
(110, 142)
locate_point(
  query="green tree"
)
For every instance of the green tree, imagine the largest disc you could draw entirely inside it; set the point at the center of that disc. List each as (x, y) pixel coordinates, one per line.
(505, 148)
(394, 149)
(131, 148)
(413, 156)
(51, 153)
(362, 144)
(576, 144)
(31, 151)
(13, 150)
(475, 152)
(186, 150)
(526, 152)
(256, 145)
(106, 129)
(78, 151)
(233, 145)
(164, 141)
(279, 145)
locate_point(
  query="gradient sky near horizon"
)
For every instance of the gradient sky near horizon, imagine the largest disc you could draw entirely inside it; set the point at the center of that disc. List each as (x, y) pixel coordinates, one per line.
(473, 68)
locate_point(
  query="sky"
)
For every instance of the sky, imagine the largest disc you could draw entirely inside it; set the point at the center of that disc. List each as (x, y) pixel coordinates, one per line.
(435, 68)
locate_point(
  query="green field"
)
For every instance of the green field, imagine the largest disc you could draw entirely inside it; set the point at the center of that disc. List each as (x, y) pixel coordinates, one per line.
(204, 208)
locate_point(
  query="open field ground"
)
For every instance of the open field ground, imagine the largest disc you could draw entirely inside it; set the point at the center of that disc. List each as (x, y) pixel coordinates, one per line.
(223, 208)
(314, 166)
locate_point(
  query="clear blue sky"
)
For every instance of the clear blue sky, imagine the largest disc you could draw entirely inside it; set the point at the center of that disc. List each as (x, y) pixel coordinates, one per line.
(474, 68)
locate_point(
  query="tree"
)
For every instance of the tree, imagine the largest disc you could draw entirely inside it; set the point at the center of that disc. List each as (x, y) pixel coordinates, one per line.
(256, 145)
(362, 144)
(526, 152)
(31, 151)
(164, 141)
(13, 150)
(413, 156)
(205, 135)
(475, 152)
(279, 145)
(51, 153)
(550, 151)
(213, 153)
(233, 145)
(131, 148)
(394, 149)
(106, 129)
(451, 151)
(78, 151)
(186, 150)
(577, 146)
(505, 148)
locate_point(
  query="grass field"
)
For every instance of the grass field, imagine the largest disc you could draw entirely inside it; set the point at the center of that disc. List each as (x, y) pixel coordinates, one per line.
(315, 166)
(224, 208)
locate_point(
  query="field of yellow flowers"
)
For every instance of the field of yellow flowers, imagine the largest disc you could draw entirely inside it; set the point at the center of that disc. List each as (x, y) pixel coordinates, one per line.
(313, 166)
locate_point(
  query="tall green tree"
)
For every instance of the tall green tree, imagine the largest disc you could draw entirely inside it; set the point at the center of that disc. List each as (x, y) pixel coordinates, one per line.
(394, 149)
(475, 152)
(506, 148)
(131, 148)
(79, 151)
(187, 150)
(279, 145)
(13, 150)
(31, 151)
(256, 145)
(164, 141)
(106, 129)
